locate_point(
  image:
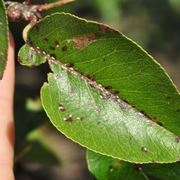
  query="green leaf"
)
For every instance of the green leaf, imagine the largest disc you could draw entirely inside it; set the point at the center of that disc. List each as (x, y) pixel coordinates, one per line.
(107, 168)
(93, 116)
(30, 112)
(29, 57)
(103, 167)
(97, 120)
(3, 38)
(113, 60)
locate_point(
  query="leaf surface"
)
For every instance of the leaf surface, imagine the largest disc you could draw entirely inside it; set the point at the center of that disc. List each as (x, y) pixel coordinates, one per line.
(103, 167)
(83, 103)
(107, 168)
(3, 38)
(113, 61)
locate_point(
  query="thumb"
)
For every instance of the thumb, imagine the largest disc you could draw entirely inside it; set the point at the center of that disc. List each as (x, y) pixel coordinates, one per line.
(6, 117)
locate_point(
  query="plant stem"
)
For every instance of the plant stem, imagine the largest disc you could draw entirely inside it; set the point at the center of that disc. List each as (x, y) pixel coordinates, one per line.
(45, 7)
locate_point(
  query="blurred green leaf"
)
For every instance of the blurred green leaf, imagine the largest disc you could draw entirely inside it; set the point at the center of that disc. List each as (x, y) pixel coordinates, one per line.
(109, 10)
(94, 116)
(3, 38)
(38, 150)
(27, 118)
(107, 168)
(103, 167)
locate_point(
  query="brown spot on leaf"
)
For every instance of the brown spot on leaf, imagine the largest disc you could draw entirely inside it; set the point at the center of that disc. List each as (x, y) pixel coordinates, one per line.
(56, 42)
(177, 139)
(46, 39)
(52, 48)
(70, 65)
(37, 28)
(137, 167)
(108, 87)
(159, 123)
(92, 78)
(82, 41)
(106, 29)
(64, 48)
(53, 55)
(168, 97)
(115, 92)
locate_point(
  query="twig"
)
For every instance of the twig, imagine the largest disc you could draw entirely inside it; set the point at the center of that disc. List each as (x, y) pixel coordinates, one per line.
(45, 7)
(17, 11)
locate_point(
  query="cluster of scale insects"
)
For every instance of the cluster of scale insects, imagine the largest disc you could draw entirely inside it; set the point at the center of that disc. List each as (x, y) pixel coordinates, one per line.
(105, 92)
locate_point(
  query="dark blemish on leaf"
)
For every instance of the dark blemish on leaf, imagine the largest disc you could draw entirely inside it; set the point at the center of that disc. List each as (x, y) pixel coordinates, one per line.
(56, 43)
(46, 39)
(69, 118)
(105, 96)
(52, 48)
(64, 48)
(108, 87)
(177, 139)
(58, 76)
(98, 123)
(177, 110)
(61, 108)
(159, 123)
(98, 110)
(104, 59)
(92, 78)
(82, 41)
(144, 149)
(37, 28)
(137, 167)
(53, 55)
(116, 92)
(168, 97)
(70, 65)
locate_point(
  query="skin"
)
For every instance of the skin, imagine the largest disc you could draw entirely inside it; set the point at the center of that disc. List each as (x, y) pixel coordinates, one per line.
(7, 118)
